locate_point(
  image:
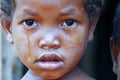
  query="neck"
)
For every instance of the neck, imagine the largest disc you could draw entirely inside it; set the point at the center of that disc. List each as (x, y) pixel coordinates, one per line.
(76, 74)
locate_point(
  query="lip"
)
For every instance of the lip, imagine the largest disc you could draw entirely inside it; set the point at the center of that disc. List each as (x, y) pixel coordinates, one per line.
(49, 61)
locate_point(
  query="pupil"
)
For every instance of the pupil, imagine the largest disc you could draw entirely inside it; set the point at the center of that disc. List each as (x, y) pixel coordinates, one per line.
(69, 22)
(29, 22)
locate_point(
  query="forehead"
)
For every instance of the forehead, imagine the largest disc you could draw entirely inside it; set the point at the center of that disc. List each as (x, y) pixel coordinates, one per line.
(49, 3)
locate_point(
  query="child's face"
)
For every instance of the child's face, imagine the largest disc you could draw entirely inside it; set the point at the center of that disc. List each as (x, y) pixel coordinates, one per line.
(50, 35)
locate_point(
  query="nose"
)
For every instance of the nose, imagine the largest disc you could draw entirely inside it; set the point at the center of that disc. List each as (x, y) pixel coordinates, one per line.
(49, 42)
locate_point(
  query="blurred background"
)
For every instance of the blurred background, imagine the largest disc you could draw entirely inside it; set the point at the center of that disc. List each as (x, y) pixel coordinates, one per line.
(96, 61)
(0, 56)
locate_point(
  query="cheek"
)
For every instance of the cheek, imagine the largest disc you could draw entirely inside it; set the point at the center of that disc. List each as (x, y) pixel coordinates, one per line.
(22, 45)
(20, 38)
(74, 45)
(74, 54)
(77, 37)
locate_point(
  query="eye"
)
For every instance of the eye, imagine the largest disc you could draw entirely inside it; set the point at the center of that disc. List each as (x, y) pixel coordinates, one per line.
(69, 23)
(30, 23)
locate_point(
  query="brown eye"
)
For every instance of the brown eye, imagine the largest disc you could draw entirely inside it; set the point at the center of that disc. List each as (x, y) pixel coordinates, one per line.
(30, 23)
(69, 23)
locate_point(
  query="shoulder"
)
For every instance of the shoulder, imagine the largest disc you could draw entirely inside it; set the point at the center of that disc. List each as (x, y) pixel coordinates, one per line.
(30, 76)
(83, 76)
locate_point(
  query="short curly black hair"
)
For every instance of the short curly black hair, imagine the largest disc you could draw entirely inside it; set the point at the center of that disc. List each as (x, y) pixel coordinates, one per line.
(92, 6)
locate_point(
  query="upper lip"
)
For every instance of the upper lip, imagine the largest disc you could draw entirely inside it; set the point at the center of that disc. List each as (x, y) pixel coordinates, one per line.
(49, 57)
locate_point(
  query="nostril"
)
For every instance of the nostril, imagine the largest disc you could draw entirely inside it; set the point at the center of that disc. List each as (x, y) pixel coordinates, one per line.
(42, 43)
(56, 44)
(49, 44)
(45, 47)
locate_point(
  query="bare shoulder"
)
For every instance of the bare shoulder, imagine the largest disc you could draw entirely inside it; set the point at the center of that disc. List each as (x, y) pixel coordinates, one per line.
(30, 76)
(84, 76)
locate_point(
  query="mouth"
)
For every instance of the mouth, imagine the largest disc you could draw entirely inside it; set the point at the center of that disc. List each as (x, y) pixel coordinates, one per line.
(49, 61)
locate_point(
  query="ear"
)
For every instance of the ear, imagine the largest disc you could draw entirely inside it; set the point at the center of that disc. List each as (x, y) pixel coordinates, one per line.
(93, 21)
(5, 23)
(114, 55)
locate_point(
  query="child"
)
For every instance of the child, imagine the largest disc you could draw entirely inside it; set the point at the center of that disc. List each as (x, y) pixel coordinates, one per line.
(50, 35)
(115, 43)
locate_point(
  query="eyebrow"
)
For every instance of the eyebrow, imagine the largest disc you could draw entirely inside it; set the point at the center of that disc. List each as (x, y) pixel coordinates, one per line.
(68, 11)
(27, 12)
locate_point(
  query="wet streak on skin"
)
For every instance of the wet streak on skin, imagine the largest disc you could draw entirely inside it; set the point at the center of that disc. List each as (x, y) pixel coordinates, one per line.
(29, 46)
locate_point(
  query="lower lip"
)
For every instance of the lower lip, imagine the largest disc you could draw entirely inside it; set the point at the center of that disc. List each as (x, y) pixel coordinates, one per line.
(49, 65)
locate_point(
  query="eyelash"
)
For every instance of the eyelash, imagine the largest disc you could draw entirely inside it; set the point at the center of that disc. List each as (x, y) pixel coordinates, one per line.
(30, 23)
(67, 23)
